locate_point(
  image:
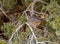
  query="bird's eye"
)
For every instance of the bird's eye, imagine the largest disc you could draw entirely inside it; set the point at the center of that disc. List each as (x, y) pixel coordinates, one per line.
(39, 16)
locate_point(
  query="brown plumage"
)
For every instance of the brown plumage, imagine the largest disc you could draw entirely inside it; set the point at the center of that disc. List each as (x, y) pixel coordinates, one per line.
(34, 21)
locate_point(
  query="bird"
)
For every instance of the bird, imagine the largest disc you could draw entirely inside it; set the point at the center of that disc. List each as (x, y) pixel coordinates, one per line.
(33, 20)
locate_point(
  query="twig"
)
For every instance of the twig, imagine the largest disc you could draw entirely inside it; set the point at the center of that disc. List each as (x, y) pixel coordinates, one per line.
(46, 41)
(33, 34)
(41, 1)
(31, 29)
(15, 32)
(5, 14)
(31, 7)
